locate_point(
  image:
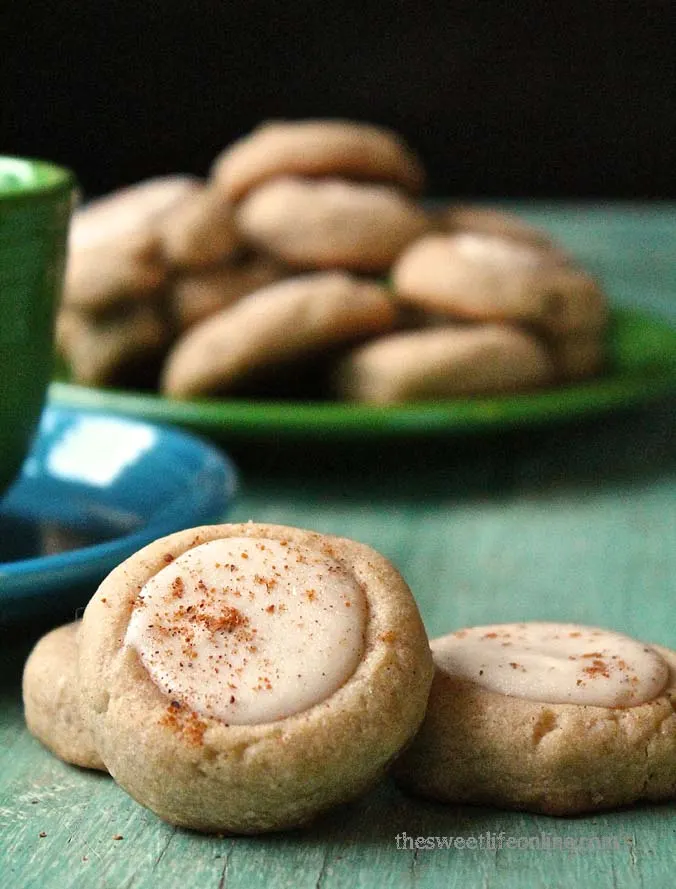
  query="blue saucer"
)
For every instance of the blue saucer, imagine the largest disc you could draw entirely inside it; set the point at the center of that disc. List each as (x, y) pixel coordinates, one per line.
(93, 490)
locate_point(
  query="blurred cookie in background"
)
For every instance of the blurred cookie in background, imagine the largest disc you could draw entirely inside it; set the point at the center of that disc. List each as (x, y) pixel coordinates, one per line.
(484, 220)
(317, 148)
(578, 355)
(115, 250)
(198, 230)
(477, 277)
(122, 346)
(157, 271)
(287, 322)
(444, 362)
(330, 223)
(199, 293)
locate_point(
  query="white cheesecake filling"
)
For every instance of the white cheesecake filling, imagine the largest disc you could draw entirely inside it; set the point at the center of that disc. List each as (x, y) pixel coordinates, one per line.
(555, 663)
(249, 631)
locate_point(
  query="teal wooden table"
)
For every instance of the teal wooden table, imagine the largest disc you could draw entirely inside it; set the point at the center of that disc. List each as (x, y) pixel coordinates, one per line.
(575, 522)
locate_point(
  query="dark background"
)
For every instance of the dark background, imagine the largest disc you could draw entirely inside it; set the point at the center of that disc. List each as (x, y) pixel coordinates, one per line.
(547, 99)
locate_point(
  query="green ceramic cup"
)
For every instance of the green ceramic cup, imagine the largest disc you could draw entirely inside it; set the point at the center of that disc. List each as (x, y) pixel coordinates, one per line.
(35, 205)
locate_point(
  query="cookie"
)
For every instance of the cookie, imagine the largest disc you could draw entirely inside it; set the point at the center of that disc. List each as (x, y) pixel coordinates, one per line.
(277, 325)
(244, 678)
(198, 230)
(114, 248)
(480, 277)
(444, 362)
(121, 212)
(120, 346)
(198, 294)
(552, 718)
(491, 221)
(52, 700)
(316, 148)
(578, 355)
(112, 272)
(330, 223)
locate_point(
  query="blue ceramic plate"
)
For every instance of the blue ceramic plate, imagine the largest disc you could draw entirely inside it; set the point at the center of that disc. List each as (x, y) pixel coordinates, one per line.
(94, 489)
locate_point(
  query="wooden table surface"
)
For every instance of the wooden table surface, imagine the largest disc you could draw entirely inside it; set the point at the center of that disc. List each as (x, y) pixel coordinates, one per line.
(575, 523)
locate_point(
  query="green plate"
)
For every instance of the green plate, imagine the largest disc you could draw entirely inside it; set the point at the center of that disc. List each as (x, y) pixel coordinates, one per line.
(642, 367)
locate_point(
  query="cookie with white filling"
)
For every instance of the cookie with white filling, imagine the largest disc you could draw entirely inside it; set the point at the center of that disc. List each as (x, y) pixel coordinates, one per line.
(244, 678)
(552, 718)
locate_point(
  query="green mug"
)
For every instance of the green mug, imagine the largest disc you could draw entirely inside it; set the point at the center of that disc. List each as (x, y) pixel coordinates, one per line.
(36, 198)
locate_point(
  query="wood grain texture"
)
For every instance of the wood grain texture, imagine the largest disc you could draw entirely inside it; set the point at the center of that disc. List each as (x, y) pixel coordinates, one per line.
(574, 522)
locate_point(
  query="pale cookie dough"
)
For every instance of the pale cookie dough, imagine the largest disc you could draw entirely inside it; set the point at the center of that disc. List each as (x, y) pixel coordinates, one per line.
(114, 246)
(121, 346)
(243, 678)
(444, 362)
(198, 230)
(552, 718)
(329, 223)
(316, 148)
(51, 698)
(279, 324)
(480, 277)
(198, 294)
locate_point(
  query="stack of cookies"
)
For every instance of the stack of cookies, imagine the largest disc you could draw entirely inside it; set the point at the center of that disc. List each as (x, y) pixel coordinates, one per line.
(307, 264)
